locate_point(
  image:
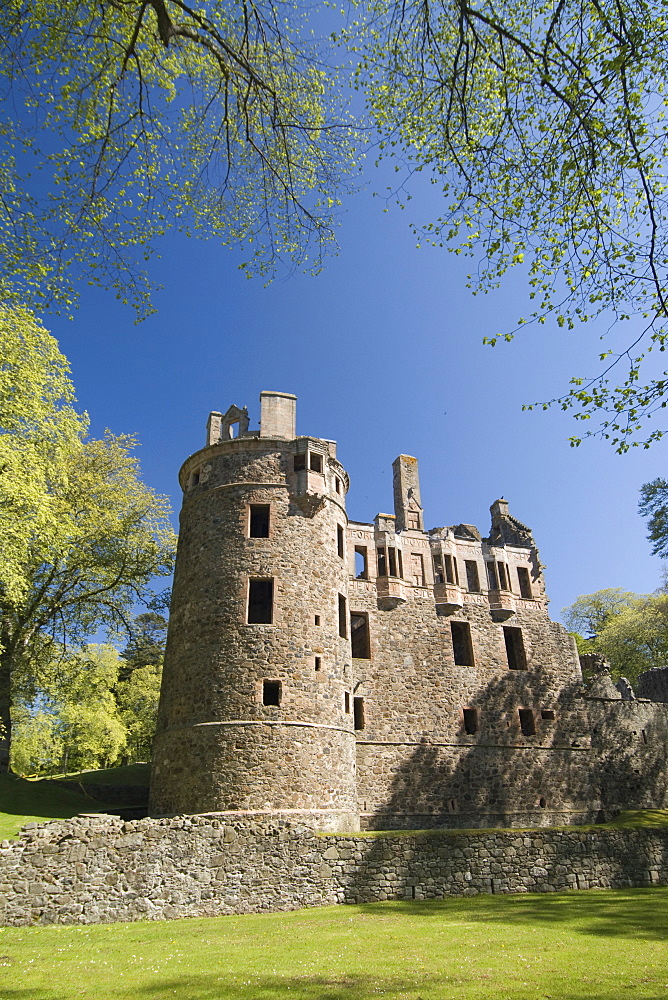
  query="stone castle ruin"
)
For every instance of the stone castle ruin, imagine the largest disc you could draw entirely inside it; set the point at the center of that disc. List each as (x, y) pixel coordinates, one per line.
(375, 675)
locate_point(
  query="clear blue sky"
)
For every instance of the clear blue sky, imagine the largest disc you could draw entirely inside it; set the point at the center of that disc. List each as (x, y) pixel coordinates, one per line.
(384, 350)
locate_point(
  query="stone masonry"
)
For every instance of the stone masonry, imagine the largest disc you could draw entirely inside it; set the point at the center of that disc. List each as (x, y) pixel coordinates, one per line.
(379, 675)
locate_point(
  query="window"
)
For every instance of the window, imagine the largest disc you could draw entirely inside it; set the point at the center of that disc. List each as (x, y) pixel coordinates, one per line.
(337, 484)
(358, 713)
(315, 461)
(451, 574)
(260, 602)
(299, 461)
(527, 722)
(417, 569)
(525, 582)
(382, 562)
(258, 522)
(316, 620)
(491, 576)
(361, 569)
(461, 644)
(439, 575)
(514, 647)
(359, 635)
(392, 557)
(503, 576)
(271, 692)
(401, 563)
(339, 541)
(547, 715)
(413, 520)
(343, 630)
(472, 579)
(318, 663)
(194, 478)
(470, 721)
(346, 702)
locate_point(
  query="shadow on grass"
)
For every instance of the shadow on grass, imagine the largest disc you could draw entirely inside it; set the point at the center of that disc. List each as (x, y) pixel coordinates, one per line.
(19, 797)
(632, 913)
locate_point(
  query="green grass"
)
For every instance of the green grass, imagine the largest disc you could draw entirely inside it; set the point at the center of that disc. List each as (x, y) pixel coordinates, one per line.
(578, 946)
(130, 775)
(640, 818)
(23, 801)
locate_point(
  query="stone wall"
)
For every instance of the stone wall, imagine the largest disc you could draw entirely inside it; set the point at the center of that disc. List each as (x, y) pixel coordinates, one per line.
(99, 869)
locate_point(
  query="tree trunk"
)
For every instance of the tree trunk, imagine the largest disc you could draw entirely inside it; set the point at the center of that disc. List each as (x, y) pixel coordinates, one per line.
(5, 709)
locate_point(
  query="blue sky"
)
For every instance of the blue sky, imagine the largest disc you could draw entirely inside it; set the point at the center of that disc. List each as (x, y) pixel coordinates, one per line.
(384, 350)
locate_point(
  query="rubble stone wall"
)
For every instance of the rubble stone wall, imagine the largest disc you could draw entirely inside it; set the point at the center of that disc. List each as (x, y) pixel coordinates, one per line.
(99, 869)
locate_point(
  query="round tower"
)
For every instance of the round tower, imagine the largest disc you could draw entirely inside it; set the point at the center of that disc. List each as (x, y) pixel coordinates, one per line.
(255, 709)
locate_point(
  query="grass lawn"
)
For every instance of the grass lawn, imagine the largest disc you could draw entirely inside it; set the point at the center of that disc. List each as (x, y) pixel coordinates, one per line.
(577, 946)
(23, 801)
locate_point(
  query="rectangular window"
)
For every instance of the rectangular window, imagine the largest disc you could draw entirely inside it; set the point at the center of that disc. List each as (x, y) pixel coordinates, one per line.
(318, 663)
(417, 569)
(547, 715)
(525, 582)
(472, 578)
(361, 568)
(194, 478)
(382, 562)
(359, 635)
(413, 521)
(461, 643)
(451, 574)
(343, 629)
(299, 461)
(260, 602)
(271, 692)
(503, 576)
(358, 713)
(316, 619)
(439, 575)
(337, 484)
(258, 526)
(527, 722)
(401, 563)
(471, 721)
(346, 702)
(339, 541)
(491, 576)
(315, 461)
(514, 647)
(392, 556)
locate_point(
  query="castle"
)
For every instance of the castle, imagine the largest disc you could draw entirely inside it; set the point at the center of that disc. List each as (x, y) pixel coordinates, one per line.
(374, 675)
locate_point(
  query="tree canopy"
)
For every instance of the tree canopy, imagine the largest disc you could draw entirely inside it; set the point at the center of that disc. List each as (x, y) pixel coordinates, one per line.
(93, 536)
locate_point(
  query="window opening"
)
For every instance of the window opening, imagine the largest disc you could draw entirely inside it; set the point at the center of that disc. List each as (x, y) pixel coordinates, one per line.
(392, 557)
(359, 635)
(358, 713)
(542, 802)
(472, 578)
(503, 577)
(337, 484)
(527, 722)
(233, 429)
(382, 562)
(471, 721)
(318, 663)
(525, 582)
(413, 520)
(439, 575)
(194, 478)
(461, 643)
(451, 574)
(259, 520)
(401, 563)
(417, 569)
(315, 461)
(299, 461)
(343, 630)
(346, 702)
(514, 647)
(339, 540)
(260, 602)
(361, 568)
(316, 620)
(547, 715)
(271, 692)
(492, 576)
(644, 735)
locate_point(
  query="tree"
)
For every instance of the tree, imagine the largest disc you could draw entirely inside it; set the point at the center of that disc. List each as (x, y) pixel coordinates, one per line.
(94, 538)
(125, 118)
(590, 613)
(543, 124)
(654, 505)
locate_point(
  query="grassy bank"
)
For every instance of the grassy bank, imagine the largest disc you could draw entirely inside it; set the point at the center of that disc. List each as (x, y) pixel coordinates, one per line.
(23, 801)
(580, 946)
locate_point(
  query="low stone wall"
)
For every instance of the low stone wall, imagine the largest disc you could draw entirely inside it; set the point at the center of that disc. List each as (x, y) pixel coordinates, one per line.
(97, 869)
